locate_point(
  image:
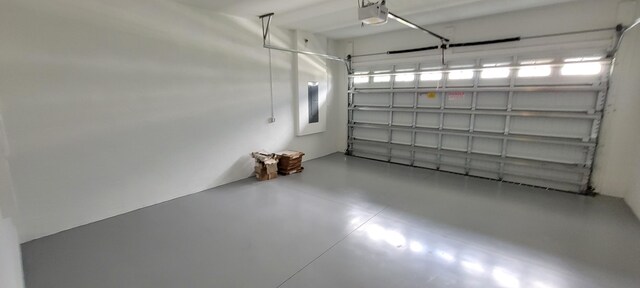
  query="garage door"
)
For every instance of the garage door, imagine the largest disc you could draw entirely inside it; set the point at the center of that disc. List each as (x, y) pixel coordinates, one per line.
(526, 119)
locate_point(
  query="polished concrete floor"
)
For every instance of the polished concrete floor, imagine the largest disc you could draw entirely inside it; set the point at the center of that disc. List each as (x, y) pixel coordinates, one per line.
(349, 222)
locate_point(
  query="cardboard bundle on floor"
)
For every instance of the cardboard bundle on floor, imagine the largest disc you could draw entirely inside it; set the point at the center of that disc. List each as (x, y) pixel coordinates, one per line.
(266, 165)
(290, 162)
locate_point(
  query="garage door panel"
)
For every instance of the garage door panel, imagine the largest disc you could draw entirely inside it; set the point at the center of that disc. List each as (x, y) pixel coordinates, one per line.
(484, 165)
(402, 118)
(566, 128)
(401, 156)
(370, 134)
(546, 152)
(429, 100)
(459, 83)
(427, 140)
(405, 84)
(492, 100)
(543, 173)
(452, 164)
(401, 137)
(425, 83)
(554, 101)
(484, 174)
(371, 117)
(403, 99)
(497, 82)
(370, 155)
(426, 164)
(425, 157)
(454, 142)
(497, 118)
(496, 61)
(370, 149)
(451, 168)
(362, 85)
(458, 99)
(489, 146)
(556, 78)
(456, 122)
(489, 123)
(372, 99)
(543, 183)
(429, 120)
(577, 80)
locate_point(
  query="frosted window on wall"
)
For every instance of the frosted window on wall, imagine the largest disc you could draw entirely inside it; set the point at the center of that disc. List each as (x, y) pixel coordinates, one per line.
(314, 113)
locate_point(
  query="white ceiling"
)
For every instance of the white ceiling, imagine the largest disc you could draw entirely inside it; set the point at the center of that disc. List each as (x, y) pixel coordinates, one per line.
(338, 18)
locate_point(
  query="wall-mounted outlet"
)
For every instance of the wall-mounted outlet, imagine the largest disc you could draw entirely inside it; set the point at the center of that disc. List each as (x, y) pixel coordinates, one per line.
(271, 119)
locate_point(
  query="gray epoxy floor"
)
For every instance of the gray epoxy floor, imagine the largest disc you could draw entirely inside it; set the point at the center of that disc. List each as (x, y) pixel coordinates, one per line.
(349, 222)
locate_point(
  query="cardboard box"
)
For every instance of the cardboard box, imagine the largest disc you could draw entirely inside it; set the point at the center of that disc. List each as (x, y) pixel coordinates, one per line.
(266, 167)
(289, 162)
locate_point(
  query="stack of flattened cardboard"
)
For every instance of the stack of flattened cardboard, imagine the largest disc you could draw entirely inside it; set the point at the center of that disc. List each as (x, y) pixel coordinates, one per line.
(290, 162)
(266, 165)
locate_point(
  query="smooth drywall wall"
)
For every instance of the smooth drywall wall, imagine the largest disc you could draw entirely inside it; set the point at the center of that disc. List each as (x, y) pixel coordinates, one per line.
(575, 16)
(633, 195)
(632, 48)
(7, 197)
(619, 156)
(110, 106)
(10, 261)
(616, 172)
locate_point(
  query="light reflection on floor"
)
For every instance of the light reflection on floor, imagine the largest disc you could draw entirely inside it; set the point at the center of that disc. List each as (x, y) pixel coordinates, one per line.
(394, 239)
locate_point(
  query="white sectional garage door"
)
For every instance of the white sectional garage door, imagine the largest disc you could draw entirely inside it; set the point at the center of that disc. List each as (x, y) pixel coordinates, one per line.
(526, 119)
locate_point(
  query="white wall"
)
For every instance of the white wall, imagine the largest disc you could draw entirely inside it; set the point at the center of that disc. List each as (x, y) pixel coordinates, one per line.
(631, 56)
(10, 260)
(619, 156)
(7, 197)
(582, 15)
(633, 194)
(310, 69)
(614, 172)
(110, 106)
